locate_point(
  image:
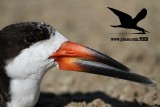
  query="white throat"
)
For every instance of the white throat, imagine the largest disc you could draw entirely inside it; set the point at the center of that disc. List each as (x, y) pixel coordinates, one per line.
(28, 68)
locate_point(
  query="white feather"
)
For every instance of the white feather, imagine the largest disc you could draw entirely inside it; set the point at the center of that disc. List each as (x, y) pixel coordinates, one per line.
(28, 68)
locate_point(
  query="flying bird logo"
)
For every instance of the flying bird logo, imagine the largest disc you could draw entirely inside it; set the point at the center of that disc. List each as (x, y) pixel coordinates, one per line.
(128, 22)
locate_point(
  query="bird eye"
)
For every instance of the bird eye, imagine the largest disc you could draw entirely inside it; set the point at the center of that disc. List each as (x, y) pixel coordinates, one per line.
(30, 39)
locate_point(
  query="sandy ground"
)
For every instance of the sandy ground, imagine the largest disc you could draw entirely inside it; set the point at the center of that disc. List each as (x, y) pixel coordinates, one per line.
(87, 22)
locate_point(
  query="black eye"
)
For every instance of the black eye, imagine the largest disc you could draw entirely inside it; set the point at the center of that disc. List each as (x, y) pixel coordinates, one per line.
(30, 39)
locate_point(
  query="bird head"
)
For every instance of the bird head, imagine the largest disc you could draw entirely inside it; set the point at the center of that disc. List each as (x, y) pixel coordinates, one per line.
(35, 47)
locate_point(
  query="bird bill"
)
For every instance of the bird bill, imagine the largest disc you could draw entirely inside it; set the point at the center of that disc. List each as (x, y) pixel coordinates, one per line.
(76, 57)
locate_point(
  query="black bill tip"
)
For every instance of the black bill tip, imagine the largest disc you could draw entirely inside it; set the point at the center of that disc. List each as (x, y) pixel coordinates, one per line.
(107, 70)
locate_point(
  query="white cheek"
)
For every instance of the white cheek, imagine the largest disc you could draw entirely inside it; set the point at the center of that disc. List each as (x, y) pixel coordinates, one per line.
(34, 60)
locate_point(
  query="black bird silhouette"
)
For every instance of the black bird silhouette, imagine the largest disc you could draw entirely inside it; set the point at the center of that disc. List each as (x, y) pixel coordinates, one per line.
(128, 22)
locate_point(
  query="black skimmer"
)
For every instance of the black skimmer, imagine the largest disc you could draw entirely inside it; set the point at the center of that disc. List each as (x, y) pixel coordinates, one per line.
(29, 49)
(128, 22)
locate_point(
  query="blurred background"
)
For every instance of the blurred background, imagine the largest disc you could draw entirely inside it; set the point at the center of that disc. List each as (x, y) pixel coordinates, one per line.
(88, 22)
